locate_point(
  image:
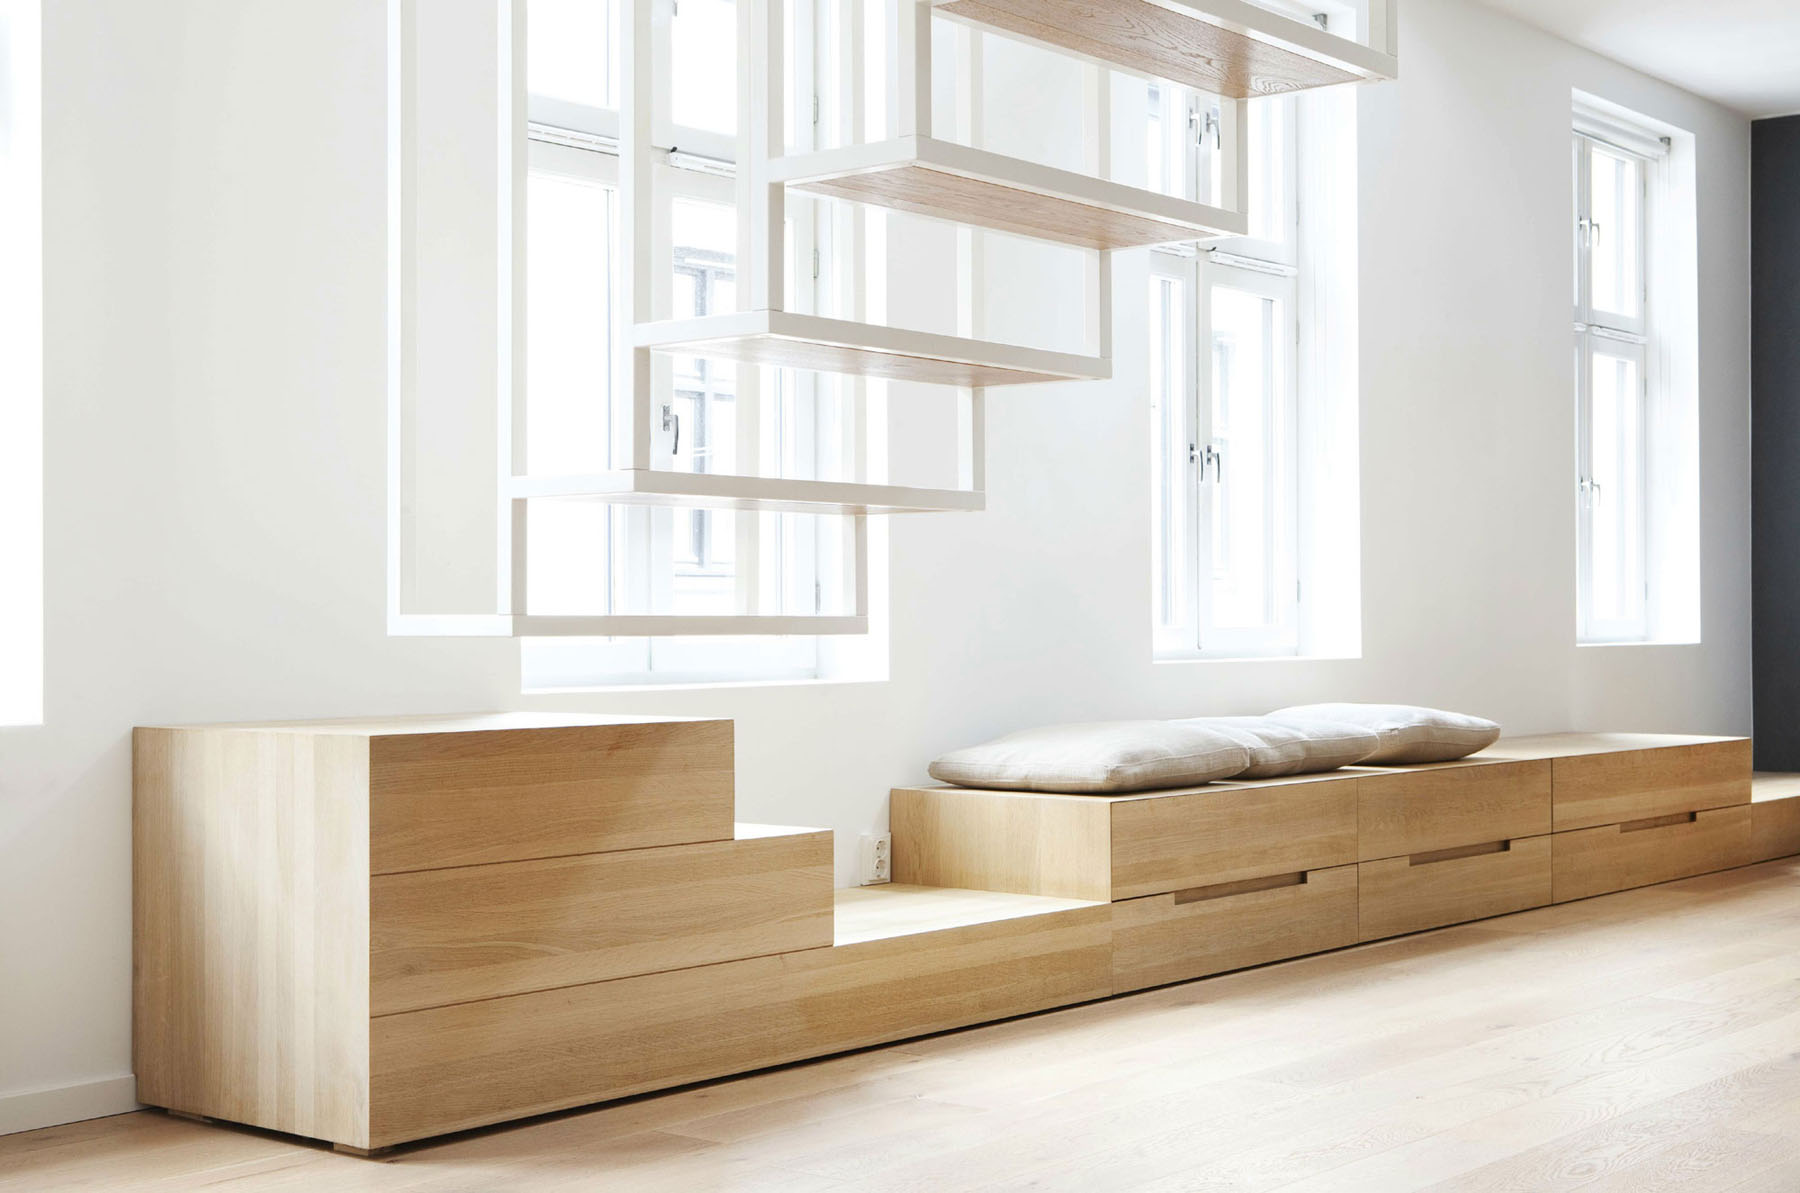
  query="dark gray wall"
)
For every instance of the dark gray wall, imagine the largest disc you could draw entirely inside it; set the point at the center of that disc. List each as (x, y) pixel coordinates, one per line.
(1775, 438)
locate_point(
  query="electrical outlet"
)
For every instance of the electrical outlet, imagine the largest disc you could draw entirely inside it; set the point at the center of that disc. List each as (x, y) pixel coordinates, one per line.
(877, 859)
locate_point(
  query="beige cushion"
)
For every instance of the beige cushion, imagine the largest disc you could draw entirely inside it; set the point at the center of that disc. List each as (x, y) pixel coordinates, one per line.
(1097, 758)
(1300, 746)
(1408, 734)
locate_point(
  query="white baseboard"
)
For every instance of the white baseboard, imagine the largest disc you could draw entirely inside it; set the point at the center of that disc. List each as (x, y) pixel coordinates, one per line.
(30, 1109)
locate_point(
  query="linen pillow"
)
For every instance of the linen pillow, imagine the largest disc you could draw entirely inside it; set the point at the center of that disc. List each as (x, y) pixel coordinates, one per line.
(1409, 734)
(1296, 746)
(1102, 757)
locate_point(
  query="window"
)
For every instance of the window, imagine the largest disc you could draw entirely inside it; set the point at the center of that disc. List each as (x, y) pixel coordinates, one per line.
(1223, 381)
(1611, 392)
(1635, 496)
(21, 369)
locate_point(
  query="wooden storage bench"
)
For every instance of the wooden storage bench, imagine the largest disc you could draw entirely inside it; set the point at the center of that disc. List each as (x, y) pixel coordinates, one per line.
(375, 932)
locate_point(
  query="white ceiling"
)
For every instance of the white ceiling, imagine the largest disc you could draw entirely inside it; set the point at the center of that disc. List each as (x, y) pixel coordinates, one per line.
(1743, 53)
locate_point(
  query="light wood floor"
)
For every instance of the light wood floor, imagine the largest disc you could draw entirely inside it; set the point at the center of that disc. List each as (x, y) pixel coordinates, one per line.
(1637, 1042)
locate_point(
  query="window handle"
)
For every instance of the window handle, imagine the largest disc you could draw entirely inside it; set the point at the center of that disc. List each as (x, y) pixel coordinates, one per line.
(672, 422)
(1590, 490)
(1213, 459)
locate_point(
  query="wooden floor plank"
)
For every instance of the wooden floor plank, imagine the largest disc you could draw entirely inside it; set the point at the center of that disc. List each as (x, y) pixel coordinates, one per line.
(1643, 1041)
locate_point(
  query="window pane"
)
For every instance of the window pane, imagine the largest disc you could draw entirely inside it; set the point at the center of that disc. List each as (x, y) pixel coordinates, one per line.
(704, 542)
(703, 65)
(1169, 461)
(1246, 403)
(1616, 491)
(569, 51)
(1616, 234)
(568, 374)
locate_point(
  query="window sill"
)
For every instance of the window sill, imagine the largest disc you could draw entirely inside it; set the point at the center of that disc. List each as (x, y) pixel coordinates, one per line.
(654, 684)
(1602, 645)
(1255, 658)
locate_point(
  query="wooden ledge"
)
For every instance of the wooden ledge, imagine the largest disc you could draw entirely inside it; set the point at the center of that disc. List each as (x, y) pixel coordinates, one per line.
(898, 909)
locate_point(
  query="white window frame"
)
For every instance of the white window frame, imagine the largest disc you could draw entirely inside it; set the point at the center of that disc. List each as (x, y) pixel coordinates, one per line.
(1602, 334)
(1266, 268)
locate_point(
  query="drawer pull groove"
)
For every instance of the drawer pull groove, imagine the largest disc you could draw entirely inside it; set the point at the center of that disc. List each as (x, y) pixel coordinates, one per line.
(1638, 826)
(1224, 890)
(1460, 851)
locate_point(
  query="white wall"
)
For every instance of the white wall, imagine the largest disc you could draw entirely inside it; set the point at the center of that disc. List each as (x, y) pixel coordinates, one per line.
(215, 469)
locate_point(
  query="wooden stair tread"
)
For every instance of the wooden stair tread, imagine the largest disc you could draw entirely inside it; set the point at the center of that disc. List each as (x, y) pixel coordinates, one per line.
(1767, 787)
(893, 910)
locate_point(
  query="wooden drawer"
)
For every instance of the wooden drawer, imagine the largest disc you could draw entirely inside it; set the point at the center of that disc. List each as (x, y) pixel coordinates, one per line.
(1188, 934)
(1419, 811)
(455, 1067)
(472, 932)
(1228, 834)
(1430, 889)
(462, 798)
(1616, 857)
(1617, 786)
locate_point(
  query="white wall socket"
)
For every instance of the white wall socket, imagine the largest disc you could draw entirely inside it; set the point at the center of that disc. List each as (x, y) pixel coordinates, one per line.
(876, 863)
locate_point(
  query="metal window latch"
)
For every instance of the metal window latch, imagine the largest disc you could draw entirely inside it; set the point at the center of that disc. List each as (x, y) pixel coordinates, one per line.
(672, 422)
(1590, 491)
(1590, 232)
(1205, 127)
(1210, 459)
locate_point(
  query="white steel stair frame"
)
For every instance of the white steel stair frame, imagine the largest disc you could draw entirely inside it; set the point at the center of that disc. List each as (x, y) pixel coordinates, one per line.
(509, 616)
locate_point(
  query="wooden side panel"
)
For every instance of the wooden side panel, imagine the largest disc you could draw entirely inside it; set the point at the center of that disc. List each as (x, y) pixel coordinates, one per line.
(462, 1066)
(250, 991)
(444, 936)
(1774, 829)
(1002, 841)
(1590, 790)
(464, 799)
(1408, 812)
(1155, 40)
(1617, 857)
(1200, 838)
(1410, 894)
(1163, 938)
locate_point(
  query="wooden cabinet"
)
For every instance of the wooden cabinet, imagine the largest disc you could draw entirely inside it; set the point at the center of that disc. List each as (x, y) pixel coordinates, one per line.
(1227, 833)
(1432, 808)
(1397, 895)
(294, 885)
(474, 932)
(1121, 847)
(1616, 857)
(462, 1066)
(1622, 778)
(1188, 934)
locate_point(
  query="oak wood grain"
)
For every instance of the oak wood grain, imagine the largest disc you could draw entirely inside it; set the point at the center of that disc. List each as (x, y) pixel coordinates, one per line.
(1002, 841)
(250, 928)
(1153, 40)
(1210, 836)
(1408, 812)
(472, 932)
(462, 1066)
(1409, 894)
(1614, 786)
(1160, 938)
(1595, 861)
(466, 798)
